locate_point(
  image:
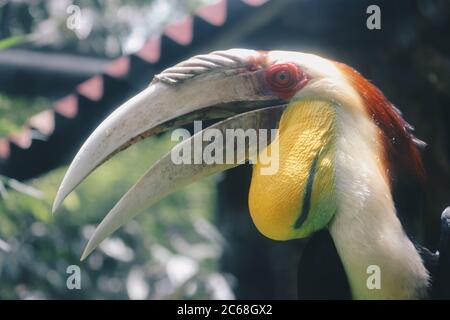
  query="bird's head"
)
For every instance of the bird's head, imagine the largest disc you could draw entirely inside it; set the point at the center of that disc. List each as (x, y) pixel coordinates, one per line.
(311, 100)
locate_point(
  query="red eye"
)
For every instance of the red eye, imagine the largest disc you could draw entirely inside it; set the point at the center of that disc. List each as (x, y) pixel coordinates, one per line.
(281, 78)
(285, 79)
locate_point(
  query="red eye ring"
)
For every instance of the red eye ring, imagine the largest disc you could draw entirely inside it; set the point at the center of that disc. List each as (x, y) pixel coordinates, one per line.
(285, 79)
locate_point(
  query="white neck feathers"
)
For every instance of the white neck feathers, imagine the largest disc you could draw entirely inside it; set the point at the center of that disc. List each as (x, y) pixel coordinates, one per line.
(366, 230)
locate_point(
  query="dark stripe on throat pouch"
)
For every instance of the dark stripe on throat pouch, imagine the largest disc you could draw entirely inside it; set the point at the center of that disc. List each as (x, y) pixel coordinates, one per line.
(308, 192)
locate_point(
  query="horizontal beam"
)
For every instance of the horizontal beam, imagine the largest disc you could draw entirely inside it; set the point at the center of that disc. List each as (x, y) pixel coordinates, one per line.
(38, 73)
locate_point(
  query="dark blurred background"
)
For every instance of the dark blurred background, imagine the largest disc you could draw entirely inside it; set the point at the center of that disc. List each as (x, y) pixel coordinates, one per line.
(65, 65)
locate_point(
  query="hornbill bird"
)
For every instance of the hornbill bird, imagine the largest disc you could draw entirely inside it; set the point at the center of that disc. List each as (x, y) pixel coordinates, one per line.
(342, 149)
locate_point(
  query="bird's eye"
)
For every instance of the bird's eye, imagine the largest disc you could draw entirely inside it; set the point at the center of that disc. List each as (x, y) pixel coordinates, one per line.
(285, 79)
(282, 77)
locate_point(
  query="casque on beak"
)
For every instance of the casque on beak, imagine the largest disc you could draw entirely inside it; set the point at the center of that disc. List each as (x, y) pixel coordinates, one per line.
(213, 86)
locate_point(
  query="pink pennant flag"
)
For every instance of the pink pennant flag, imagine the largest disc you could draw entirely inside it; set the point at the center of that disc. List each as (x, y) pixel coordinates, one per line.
(92, 88)
(180, 31)
(67, 106)
(151, 50)
(216, 14)
(44, 122)
(119, 67)
(22, 138)
(4, 148)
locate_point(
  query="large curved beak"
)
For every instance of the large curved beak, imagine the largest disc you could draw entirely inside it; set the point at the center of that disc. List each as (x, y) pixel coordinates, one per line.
(214, 86)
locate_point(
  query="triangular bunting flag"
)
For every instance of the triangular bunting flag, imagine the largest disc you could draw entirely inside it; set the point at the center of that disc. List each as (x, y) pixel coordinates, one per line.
(22, 138)
(44, 122)
(92, 88)
(119, 67)
(180, 31)
(151, 50)
(216, 14)
(67, 106)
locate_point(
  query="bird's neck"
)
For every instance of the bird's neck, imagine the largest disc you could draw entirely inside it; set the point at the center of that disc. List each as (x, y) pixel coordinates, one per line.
(368, 235)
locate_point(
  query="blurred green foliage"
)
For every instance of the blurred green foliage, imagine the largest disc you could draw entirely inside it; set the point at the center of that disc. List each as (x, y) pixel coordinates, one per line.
(11, 41)
(14, 112)
(170, 251)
